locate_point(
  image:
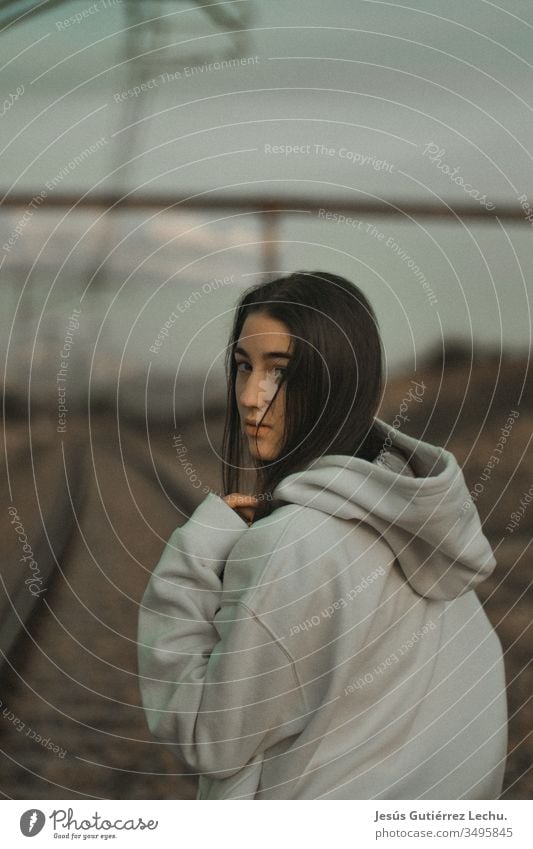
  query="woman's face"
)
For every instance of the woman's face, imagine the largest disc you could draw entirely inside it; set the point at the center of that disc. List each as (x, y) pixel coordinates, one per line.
(261, 353)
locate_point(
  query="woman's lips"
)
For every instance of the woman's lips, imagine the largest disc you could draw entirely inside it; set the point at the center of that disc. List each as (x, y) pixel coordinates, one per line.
(253, 429)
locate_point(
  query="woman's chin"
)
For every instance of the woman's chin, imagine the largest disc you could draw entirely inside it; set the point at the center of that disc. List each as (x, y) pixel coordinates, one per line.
(261, 452)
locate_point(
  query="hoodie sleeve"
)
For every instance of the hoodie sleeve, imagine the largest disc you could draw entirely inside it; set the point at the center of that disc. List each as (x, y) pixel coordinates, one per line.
(216, 685)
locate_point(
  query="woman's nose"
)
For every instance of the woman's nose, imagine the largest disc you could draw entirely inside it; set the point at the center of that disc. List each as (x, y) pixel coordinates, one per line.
(251, 390)
(258, 390)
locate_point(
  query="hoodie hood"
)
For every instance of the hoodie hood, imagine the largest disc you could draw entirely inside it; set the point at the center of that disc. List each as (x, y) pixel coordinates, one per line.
(413, 495)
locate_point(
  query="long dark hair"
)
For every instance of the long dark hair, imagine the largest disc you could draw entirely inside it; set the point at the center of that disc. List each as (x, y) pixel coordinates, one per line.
(333, 379)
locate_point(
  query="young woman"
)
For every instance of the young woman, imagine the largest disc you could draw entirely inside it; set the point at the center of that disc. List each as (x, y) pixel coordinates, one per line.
(321, 639)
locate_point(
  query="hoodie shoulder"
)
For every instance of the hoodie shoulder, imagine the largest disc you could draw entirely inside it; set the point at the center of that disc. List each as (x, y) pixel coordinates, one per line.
(413, 497)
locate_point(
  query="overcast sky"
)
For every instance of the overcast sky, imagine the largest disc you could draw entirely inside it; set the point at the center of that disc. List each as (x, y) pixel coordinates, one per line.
(350, 99)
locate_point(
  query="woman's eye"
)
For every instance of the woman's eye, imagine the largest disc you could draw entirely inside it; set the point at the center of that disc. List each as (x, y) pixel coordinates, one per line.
(276, 371)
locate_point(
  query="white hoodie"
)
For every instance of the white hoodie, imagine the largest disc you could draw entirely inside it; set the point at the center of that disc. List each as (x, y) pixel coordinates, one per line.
(334, 649)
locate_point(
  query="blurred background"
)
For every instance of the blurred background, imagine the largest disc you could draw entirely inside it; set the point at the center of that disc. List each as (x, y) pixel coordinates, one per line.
(159, 157)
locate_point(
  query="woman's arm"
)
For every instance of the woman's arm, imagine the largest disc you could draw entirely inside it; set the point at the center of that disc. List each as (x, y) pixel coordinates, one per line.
(216, 686)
